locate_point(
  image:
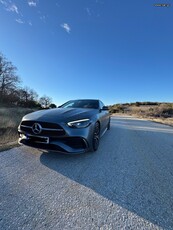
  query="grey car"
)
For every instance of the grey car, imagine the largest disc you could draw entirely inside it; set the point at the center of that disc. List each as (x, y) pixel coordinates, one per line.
(74, 127)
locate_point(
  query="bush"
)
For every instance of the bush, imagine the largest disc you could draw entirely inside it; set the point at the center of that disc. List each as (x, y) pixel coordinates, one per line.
(9, 121)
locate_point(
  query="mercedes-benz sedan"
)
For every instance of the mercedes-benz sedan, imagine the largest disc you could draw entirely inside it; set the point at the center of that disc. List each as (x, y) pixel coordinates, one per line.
(73, 127)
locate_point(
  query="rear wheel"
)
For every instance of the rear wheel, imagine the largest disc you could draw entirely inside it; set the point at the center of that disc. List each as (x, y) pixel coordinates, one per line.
(96, 136)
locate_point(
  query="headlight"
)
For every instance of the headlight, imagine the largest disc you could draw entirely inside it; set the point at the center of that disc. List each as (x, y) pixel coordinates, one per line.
(79, 123)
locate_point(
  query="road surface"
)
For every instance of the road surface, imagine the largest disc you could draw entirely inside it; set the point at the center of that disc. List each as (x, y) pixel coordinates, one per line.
(126, 184)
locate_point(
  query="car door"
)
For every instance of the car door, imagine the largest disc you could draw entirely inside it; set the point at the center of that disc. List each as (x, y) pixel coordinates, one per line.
(104, 117)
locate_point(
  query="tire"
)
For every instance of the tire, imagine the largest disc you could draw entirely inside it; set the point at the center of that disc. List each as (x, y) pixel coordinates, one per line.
(96, 136)
(109, 125)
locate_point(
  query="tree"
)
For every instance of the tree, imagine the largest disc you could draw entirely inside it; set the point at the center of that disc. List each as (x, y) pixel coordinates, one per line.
(45, 101)
(12, 94)
(24, 94)
(28, 97)
(33, 95)
(8, 78)
(52, 106)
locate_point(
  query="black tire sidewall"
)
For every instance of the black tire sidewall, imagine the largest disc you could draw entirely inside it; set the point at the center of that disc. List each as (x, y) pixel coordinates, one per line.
(95, 147)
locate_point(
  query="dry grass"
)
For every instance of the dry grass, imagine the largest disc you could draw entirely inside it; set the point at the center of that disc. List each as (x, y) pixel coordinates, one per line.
(9, 121)
(160, 112)
(151, 113)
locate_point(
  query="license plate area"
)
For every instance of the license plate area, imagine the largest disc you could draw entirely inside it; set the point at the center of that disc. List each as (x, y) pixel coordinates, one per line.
(38, 139)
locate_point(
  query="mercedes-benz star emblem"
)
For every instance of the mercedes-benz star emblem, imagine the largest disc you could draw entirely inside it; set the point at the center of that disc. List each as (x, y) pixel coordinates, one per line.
(36, 128)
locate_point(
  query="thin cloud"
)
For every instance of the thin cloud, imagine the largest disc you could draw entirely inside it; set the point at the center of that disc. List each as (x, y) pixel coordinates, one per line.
(43, 18)
(32, 3)
(13, 8)
(88, 11)
(57, 4)
(3, 2)
(66, 27)
(19, 21)
(9, 6)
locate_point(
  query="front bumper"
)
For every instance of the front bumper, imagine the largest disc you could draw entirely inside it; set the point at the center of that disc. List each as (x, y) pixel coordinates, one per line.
(75, 140)
(64, 145)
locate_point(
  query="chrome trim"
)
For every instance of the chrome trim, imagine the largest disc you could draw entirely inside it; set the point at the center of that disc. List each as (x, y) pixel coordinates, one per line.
(47, 129)
(25, 126)
(36, 128)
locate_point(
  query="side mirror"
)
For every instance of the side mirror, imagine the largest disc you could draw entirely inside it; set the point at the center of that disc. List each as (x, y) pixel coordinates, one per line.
(105, 108)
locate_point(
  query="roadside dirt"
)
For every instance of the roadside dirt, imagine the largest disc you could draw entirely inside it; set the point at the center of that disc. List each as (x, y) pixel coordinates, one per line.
(165, 121)
(9, 145)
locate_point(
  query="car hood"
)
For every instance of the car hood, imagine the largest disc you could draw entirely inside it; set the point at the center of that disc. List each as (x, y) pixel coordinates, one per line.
(60, 114)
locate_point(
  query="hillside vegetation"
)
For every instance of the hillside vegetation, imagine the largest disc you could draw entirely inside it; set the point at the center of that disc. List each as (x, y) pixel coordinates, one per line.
(159, 112)
(9, 121)
(14, 102)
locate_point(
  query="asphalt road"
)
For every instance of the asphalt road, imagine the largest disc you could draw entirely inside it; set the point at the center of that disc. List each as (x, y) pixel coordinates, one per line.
(126, 184)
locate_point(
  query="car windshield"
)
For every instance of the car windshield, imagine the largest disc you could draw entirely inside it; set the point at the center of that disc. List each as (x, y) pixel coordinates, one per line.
(88, 104)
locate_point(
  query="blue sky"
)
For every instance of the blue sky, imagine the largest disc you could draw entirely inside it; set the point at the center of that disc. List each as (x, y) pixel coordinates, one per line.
(114, 50)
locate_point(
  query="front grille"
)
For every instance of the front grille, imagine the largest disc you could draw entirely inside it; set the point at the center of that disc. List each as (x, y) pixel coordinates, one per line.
(47, 125)
(48, 129)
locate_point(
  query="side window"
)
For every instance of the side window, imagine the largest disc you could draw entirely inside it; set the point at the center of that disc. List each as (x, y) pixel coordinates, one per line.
(69, 105)
(101, 105)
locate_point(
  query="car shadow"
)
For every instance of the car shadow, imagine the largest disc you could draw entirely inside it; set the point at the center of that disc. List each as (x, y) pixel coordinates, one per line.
(118, 174)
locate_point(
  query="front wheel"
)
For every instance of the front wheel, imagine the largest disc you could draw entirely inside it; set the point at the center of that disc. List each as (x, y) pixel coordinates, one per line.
(96, 136)
(108, 126)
